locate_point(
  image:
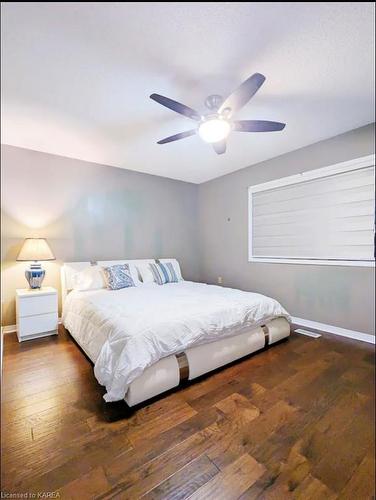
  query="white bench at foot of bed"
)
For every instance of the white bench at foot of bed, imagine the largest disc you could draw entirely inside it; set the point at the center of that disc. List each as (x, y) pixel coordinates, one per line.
(169, 372)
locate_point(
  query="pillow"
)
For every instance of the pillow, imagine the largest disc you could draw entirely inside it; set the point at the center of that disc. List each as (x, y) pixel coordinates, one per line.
(175, 265)
(118, 276)
(132, 268)
(91, 278)
(163, 273)
(145, 273)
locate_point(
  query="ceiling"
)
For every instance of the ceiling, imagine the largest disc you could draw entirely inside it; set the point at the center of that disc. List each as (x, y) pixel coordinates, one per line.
(76, 78)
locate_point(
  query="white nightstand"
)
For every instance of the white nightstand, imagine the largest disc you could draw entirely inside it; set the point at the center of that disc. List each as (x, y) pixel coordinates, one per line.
(36, 313)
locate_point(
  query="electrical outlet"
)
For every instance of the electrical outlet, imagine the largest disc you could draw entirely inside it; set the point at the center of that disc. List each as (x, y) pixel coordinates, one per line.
(220, 281)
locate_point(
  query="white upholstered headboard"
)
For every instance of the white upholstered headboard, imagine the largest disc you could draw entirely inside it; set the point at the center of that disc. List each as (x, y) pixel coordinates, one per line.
(68, 269)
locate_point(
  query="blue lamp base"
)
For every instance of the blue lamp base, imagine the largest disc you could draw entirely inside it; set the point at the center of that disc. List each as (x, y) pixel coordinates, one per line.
(35, 275)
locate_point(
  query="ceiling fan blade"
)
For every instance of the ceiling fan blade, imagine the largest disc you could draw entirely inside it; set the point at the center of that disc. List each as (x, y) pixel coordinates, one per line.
(257, 126)
(220, 147)
(177, 137)
(243, 94)
(182, 109)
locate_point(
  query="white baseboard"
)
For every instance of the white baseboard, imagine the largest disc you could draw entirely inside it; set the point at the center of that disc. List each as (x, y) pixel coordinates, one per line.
(336, 330)
(13, 328)
(8, 329)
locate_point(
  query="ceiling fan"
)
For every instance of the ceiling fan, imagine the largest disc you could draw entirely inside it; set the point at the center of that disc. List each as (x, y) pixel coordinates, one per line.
(217, 125)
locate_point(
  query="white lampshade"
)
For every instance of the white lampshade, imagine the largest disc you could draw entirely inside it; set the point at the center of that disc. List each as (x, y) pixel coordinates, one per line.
(35, 249)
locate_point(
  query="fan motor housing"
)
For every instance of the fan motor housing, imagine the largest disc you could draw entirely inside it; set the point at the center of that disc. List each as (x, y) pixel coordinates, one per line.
(213, 102)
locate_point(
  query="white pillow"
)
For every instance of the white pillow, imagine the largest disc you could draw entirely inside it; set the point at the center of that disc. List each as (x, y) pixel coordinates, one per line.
(175, 265)
(145, 273)
(91, 278)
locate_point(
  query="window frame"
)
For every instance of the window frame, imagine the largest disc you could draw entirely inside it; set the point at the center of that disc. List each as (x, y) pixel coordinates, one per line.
(338, 168)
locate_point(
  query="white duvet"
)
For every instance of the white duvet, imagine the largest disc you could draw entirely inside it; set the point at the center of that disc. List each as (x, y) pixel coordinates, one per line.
(125, 331)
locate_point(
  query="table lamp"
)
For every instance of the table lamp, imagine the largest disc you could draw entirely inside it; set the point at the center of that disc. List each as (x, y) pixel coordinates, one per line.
(35, 249)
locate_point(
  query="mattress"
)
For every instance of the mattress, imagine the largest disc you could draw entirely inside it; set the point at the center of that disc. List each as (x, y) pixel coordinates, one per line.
(127, 331)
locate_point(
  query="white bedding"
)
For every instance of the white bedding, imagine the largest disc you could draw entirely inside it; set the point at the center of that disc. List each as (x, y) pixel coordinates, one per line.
(125, 331)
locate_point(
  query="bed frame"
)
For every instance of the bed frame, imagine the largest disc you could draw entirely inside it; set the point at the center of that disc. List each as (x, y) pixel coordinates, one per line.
(169, 372)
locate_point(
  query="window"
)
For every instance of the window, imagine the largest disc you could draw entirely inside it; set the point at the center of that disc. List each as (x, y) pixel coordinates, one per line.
(324, 216)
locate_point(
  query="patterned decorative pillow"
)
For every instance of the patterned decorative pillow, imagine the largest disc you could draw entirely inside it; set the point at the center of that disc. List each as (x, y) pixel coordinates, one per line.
(163, 273)
(118, 276)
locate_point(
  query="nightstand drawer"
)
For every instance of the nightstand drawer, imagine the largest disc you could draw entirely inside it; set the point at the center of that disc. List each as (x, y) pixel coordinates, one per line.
(31, 325)
(31, 306)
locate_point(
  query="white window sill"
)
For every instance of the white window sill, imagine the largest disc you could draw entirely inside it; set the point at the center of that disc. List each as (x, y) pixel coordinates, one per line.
(354, 263)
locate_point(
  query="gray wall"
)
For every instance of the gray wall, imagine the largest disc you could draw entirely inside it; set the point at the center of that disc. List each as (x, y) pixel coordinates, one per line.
(336, 295)
(89, 211)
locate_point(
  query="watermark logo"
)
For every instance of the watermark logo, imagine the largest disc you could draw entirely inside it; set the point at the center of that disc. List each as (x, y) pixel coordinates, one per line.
(28, 495)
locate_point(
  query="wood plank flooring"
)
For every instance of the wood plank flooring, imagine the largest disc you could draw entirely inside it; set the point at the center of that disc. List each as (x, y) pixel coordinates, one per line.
(293, 421)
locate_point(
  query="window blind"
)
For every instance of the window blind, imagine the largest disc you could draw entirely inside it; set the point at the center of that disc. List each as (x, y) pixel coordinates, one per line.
(328, 218)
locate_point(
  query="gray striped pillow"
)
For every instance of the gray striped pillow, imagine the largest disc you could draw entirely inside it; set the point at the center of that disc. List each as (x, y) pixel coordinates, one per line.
(163, 273)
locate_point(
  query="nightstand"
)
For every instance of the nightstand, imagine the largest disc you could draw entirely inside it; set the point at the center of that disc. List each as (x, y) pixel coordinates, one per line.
(36, 313)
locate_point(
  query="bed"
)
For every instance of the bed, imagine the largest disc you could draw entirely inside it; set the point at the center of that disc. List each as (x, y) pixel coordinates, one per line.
(147, 339)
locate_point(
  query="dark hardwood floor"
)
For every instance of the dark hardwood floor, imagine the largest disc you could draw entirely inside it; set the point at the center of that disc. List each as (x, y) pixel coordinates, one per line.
(293, 421)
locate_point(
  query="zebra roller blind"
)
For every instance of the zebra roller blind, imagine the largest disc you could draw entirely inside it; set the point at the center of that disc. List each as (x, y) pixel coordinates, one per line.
(329, 217)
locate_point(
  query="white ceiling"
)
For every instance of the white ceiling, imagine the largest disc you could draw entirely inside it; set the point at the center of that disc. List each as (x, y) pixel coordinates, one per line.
(76, 78)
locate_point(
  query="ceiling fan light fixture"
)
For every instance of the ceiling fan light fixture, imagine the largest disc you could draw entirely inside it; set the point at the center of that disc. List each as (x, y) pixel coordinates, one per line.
(215, 127)
(214, 130)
